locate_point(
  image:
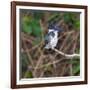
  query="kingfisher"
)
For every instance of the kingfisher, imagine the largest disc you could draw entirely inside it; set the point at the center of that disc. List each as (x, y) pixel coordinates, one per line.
(51, 37)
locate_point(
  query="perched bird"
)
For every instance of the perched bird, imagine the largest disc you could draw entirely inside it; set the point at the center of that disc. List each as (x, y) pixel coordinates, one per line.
(51, 37)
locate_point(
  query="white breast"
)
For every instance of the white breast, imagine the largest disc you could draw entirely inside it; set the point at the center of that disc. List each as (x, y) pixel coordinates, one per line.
(53, 41)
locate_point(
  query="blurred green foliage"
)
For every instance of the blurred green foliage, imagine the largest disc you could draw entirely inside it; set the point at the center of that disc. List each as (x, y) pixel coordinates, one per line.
(36, 28)
(75, 66)
(31, 25)
(72, 20)
(54, 18)
(24, 63)
(26, 25)
(37, 15)
(76, 69)
(28, 74)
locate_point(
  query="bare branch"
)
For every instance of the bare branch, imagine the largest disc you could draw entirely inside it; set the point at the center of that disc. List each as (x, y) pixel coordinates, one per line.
(68, 56)
(29, 56)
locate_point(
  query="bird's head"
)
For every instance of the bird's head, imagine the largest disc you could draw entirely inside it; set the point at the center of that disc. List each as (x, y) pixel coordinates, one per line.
(52, 32)
(51, 38)
(56, 28)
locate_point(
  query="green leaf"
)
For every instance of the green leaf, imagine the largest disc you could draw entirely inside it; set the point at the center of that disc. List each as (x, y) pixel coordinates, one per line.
(28, 74)
(36, 29)
(24, 59)
(67, 17)
(76, 69)
(26, 25)
(77, 24)
(75, 66)
(27, 28)
(24, 63)
(77, 50)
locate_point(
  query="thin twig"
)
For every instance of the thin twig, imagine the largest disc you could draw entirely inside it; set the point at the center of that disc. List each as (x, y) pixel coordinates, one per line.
(69, 56)
(50, 63)
(68, 45)
(38, 64)
(29, 56)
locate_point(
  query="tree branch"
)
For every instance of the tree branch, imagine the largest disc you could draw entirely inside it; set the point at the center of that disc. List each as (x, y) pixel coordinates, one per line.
(68, 56)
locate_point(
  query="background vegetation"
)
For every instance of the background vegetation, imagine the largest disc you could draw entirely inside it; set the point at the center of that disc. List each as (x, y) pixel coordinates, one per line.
(36, 61)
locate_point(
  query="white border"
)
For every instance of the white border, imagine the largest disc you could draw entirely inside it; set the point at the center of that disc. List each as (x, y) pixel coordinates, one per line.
(54, 79)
